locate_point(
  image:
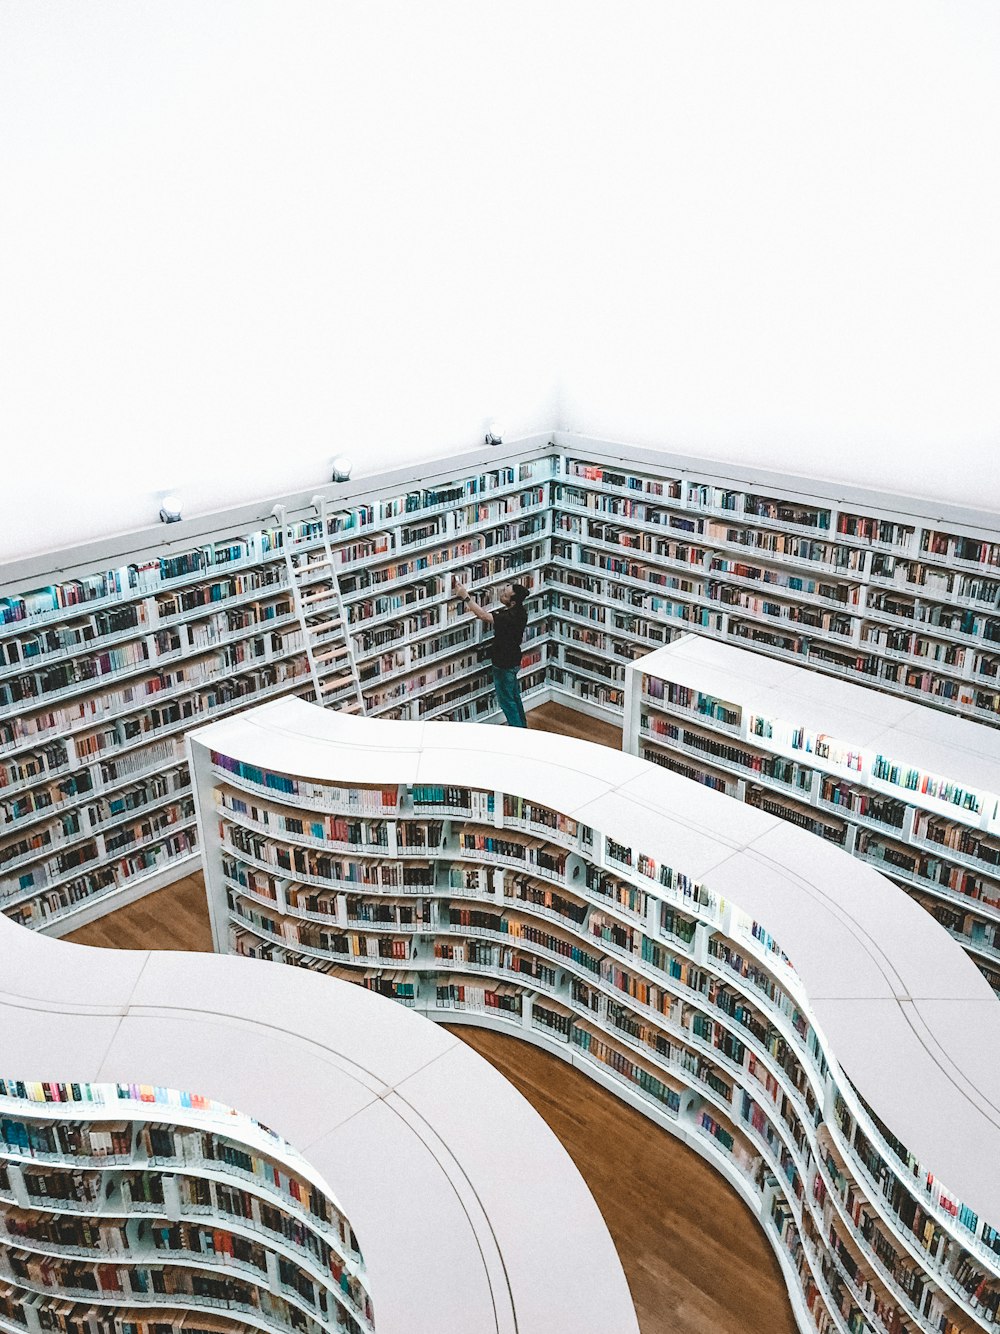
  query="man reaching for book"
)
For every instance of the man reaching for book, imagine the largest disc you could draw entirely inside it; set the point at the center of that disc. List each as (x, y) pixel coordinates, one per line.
(508, 623)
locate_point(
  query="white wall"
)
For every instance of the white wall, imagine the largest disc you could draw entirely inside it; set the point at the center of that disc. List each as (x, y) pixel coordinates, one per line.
(239, 237)
(788, 245)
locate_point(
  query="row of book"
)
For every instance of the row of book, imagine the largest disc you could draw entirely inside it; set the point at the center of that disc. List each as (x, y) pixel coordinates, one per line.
(552, 1018)
(868, 528)
(742, 1031)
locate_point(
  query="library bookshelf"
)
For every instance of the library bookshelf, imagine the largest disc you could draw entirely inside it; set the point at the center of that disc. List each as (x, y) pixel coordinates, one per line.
(142, 1205)
(895, 592)
(423, 1193)
(110, 652)
(645, 929)
(108, 659)
(907, 789)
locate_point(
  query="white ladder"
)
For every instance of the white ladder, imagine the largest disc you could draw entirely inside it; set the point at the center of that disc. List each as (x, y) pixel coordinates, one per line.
(312, 578)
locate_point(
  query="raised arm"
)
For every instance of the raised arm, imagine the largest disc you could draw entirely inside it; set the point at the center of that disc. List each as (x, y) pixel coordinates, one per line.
(463, 594)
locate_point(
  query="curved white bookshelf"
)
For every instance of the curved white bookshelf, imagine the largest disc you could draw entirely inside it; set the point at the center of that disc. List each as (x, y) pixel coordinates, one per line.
(469, 1213)
(118, 1198)
(873, 1057)
(905, 787)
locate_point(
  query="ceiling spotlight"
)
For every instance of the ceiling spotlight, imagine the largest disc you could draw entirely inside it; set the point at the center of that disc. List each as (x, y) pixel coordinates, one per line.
(494, 433)
(341, 468)
(170, 509)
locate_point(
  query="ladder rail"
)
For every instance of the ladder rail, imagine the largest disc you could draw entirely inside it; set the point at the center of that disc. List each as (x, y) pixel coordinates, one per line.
(341, 607)
(291, 569)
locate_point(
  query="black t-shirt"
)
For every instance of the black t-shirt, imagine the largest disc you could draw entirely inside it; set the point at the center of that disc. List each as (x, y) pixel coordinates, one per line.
(508, 627)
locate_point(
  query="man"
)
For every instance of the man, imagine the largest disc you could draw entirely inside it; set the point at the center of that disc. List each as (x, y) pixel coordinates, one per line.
(508, 623)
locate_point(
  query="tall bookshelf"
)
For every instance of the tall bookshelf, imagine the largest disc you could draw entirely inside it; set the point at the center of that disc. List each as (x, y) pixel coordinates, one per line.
(910, 791)
(343, 597)
(781, 1008)
(422, 1193)
(139, 1204)
(110, 652)
(417, 654)
(898, 593)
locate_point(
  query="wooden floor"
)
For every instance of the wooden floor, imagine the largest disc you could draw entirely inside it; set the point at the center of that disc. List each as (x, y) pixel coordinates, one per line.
(174, 918)
(568, 722)
(696, 1260)
(695, 1257)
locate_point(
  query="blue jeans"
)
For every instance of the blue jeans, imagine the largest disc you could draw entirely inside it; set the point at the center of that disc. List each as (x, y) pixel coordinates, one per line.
(509, 695)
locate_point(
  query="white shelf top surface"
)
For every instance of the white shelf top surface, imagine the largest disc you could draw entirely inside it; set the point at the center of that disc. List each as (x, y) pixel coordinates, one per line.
(912, 735)
(860, 946)
(469, 1212)
(629, 457)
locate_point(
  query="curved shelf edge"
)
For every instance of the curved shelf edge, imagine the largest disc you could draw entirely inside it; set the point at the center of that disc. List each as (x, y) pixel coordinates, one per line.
(901, 1015)
(425, 1146)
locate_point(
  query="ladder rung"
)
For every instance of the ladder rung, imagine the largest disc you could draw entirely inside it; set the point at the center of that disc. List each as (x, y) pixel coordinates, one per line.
(308, 565)
(330, 657)
(324, 593)
(335, 684)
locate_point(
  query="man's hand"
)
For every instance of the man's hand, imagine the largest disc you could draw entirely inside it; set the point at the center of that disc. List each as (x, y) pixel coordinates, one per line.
(460, 591)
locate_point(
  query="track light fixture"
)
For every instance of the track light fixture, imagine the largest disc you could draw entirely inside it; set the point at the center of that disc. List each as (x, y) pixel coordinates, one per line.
(341, 468)
(170, 509)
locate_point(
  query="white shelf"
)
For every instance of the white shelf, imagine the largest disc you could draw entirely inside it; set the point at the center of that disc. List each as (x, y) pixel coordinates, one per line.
(370, 1096)
(800, 711)
(862, 951)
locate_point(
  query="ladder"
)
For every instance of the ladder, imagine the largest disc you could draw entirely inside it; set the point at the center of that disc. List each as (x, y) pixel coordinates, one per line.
(316, 596)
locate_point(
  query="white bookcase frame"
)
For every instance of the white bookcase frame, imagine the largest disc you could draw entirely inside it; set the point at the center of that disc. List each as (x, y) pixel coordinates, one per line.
(85, 853)
(469, 1213)
(161, 1187)
(637, 926)
(875, 775)
(668, 543)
